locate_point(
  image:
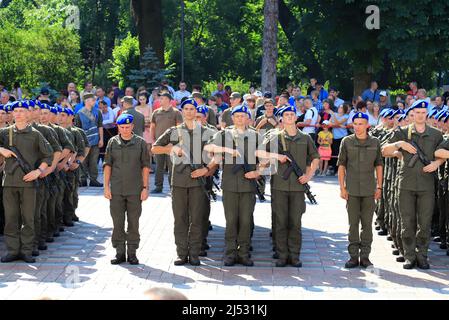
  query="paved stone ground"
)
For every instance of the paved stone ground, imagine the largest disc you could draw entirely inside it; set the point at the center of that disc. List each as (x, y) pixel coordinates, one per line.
(77, 265)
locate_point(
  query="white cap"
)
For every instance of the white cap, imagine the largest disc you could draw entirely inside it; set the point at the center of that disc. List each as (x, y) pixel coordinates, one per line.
(326, 122)
(383, 93)
(258, 94)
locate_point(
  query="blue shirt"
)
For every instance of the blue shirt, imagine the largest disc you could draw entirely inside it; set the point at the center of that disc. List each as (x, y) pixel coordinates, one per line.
(323, 94)
(318, 105)
(369, 95)
(105, 99)
(222, 108)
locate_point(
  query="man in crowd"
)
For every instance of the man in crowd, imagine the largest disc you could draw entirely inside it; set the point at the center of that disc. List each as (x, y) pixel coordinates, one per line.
(92, 124)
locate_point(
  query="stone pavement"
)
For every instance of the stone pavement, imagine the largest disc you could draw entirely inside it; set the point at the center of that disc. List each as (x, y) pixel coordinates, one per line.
(77, 265)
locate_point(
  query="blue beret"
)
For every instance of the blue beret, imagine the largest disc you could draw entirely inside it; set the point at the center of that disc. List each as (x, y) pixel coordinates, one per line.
(407, 111)
(31, 104)
(446, 117)
(189, 101)
(396, 112)
(125, 118)
(386, 112)
(7, 107)
(420, 104)
(360, 115)
(67, 111)
(432, 113)
(19, 104)
(44, 106)
(241, 108)
(286, 109)
(402, 117)
(54, 110)
(291, 101)
(440, 115)
(202, 109)
(2, 107)
(278, 111)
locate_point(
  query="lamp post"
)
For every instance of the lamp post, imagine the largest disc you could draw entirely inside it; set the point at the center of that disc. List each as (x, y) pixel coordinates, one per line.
(182, 40)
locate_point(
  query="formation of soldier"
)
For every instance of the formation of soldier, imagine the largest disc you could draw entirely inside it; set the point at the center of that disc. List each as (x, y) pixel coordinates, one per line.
(397, 170)
(41, 157)
(412, 208)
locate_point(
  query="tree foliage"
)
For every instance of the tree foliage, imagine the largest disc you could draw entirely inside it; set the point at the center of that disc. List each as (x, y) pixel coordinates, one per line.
(125, 58)
(36, 47)
(150, 73)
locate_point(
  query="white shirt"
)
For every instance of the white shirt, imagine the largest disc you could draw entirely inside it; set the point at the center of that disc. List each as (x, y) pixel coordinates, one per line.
(311, 114)
(116, 110)
(181, 94)
(372, 120)
(108, 118)
(351, 114)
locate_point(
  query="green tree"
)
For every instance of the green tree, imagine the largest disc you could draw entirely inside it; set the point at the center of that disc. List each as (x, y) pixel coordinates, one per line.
(35, 46)
(150, 73)
(334, 43)
(125, 57)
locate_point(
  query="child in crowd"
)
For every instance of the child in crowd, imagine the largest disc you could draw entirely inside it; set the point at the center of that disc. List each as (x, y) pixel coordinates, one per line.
(325, 150)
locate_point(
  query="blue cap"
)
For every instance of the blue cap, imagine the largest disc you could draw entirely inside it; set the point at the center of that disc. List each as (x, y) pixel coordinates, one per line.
(54, 110)
(286, 108)
(241, 108)
(360, 115)
(396, 112)
(202, 109)
(189, 101)
(420, 104)
(125, 118)
(19, 104)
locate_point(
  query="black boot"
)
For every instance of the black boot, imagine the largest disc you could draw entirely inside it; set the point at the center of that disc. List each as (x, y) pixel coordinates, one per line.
(120, 255)
(95, 183)
(180, 261)
(118, 259)
(132, 259)
(352, 263)
(10, 258)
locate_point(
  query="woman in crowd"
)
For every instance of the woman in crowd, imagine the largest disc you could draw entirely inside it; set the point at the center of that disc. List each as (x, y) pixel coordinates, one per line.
(373, 113)
(339, 121)
(146, 110)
